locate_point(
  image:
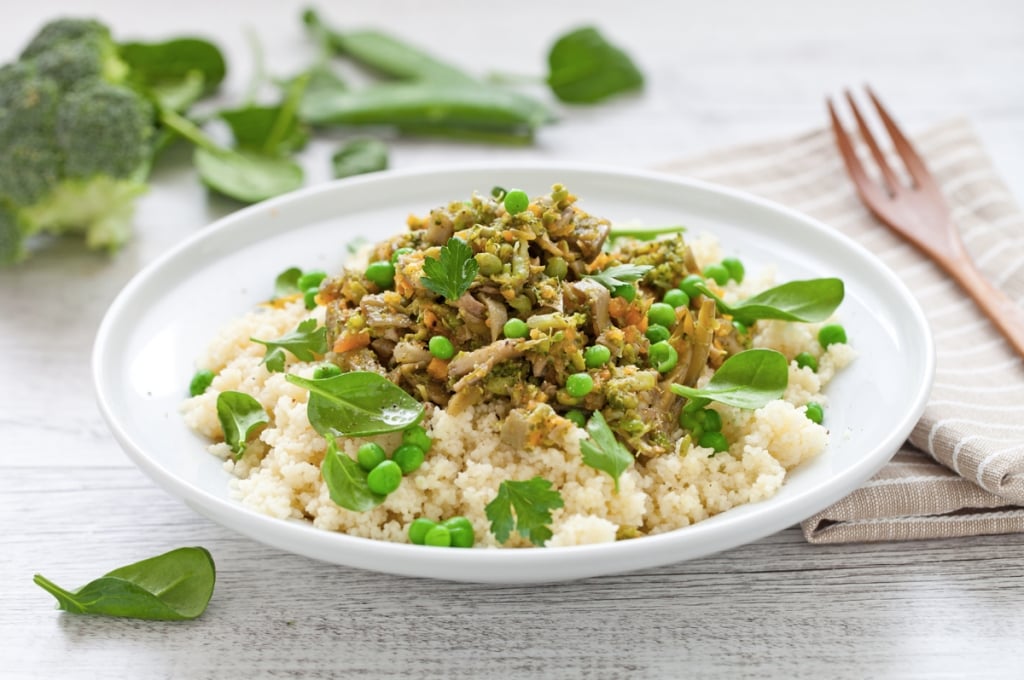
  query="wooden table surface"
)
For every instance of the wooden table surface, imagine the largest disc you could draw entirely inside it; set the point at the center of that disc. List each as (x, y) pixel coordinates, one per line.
(72, 506)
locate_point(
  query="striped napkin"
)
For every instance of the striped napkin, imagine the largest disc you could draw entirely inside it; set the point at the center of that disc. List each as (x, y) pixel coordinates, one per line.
(962, 471)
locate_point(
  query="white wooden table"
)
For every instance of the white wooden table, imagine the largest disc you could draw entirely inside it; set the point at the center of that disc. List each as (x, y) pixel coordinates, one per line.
(72, 506)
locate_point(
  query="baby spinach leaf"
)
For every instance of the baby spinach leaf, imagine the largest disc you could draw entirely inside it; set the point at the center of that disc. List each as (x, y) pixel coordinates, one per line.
(809, 301)
(306, 342)
(358, 404)
(247, 176)
(748, 380)
(585, 68)
(532, 502)
(452, 273)
(346, 481)
(620, 275)
(252, 126)
(240, 415)
(360, 156)
(180, 94)
(170, 587)
(287, 282)
(158, 64)
(602, 451)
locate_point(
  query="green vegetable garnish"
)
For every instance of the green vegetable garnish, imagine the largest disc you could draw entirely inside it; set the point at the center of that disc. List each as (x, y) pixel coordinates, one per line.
(808, 301)
(747, 380)
(200, 381)
(240, 415)
(453, 273)
(586, 68)
(602, 451)
(171, 587)
(177, 71)
(358, 404)
(814, 412)
(614, 278)
(831, 334)
(306, 342)
(384, 478)
(287, 282)
(532, 502)
(643, 233)
(516, 201)
(359, 157)
(346, 481)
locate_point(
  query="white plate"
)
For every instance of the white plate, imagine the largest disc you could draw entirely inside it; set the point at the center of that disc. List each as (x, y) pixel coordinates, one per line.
(146, 345)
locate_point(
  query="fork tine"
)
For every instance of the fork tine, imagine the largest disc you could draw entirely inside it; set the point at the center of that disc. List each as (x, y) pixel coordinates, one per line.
(890, 180)
(864, 184)
(915, 165)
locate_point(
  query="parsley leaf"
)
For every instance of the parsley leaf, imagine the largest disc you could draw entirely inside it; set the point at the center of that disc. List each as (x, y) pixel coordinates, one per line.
(602, 451)
(532, 500)
(585, 68)
(305, 342)
(620, 275)
(452, 274)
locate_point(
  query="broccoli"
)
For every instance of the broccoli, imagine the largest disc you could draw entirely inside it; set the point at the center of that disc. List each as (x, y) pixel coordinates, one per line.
(76, 143)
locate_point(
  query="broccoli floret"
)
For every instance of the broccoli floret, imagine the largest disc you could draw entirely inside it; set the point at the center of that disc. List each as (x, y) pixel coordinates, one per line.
(75, 146)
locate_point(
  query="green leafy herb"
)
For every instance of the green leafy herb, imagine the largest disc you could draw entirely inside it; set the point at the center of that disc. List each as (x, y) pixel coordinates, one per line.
(452, 274)
(602, 451)
(287, 282)
(620, 275)
(532, 502)
(346, 481)
(171, 587)
(809, 301)
(358, 404)
(240, 415)
(177, 72)
(360, 156)
(748, 380)
(180, 94)
(585, 68)
(253, 128)
(644, 234)
(306, 342)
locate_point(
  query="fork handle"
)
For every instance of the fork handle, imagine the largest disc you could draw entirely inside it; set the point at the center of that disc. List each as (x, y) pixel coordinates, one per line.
(1007, 315)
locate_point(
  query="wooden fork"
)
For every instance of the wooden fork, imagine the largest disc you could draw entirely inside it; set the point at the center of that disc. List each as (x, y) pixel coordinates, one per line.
(919, 213)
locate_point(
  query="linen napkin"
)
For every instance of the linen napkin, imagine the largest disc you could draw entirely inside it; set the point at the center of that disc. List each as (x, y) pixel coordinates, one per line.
(962, 471)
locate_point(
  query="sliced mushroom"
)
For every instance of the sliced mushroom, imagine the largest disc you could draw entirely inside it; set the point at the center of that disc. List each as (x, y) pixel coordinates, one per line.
(497, 315)
(590, 295)
(410, 352)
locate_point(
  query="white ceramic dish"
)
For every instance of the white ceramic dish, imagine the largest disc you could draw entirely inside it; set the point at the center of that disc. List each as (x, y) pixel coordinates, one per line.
(145, 347)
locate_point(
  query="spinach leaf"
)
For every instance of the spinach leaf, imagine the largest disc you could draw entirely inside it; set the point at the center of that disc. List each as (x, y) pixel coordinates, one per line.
(159, 64)
(306, 342)
(748, 380)
(240, 415)
(252, 127)
(346, 481)
(180, 94)
(532, 502)
(357, 404)
(602, 451)
(287, 282)
(360, 156)
(452, 273)
(809, 301)
(585, 68)
(620, 275)
(170, 587)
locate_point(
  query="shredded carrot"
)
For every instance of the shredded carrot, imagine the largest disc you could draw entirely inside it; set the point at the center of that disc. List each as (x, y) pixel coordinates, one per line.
(351, 341)
(438, 369)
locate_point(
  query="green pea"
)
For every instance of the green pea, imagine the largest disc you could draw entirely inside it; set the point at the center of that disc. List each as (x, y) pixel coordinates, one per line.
(735, 269)
(557, 268)
(718, 273)
(626, 291)
(711, 420)
(461, 531)
(382, 273)
(696, 403)
(596, 356)
(417, 436)
(370, 455)
(439, 537)
(656, 333)
(740, 327)
(692, 421)
(419, 528)
(311, 279)
(515, 328)
(689, 285)
(489, 263)
(578, 417)
(806, 360)
(441, 347)
(663, 356)
(399, 253)
(579, 385)
(408, 457)
(309, 297)
(516, 201)
(326, 371)
(662, 314)
(831, 334)
(714, 440)
(815, 413)
(676, 298)
(200, 381)
(384, 478)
